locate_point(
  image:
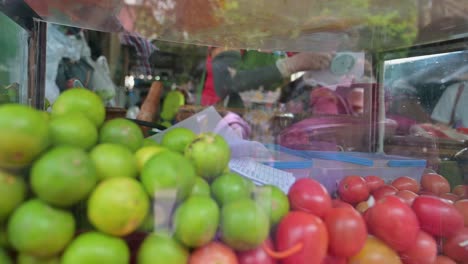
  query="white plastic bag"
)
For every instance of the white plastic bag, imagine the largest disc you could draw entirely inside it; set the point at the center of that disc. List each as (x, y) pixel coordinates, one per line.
(59, 46)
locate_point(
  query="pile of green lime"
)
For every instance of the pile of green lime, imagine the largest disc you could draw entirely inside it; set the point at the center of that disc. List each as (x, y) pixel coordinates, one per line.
(77, 188)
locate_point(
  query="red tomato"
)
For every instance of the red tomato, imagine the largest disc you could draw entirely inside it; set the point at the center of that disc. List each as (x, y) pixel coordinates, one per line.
(435, 183)
(374, 182)
(334, 260)
(428, 193)
(212, 253)
(449, 196)
(460, 190)
(337, 203)
(462, 207)
(347, 231)
(423, 251)
(300, 227)
(407, 196)
(383, 191)
(437, 216)
(309, 196)
(456, 246)
(393, 221)
(375, 251)
(441, 259)
(353, 189)
(256, 256)
(406, 183)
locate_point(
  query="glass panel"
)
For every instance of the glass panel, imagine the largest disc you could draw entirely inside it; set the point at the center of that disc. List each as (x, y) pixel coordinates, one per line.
(274, 24)
(13, 62)
(292, 25)
(425, 96)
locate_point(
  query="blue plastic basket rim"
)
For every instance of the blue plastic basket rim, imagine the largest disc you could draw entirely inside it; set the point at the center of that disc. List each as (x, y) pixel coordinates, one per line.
(337, 156)
(289, 165)
(349, 158)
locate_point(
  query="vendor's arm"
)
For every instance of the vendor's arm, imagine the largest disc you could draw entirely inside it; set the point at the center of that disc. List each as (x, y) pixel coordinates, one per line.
(229, 78)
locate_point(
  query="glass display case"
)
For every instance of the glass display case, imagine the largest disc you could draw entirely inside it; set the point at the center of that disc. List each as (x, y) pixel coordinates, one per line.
(189, 131)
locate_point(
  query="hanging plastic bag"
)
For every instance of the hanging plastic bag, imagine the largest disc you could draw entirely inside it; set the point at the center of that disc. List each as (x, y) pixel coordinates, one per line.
(58, 47)
(101, 82)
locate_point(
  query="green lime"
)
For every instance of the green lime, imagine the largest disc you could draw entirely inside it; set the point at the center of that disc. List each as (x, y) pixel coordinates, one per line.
(38, 229)
(196, 221)
(83, 101)
(73, 129)
(4, 257)
(210, 154)
(201, 187)
(63, 176)
(162, 249)
(177, 139)
(244, 225)
(230, 187)
(28, 259)
(96, 248)
(24, 135)
(273, 201)
(4, 243)
(113, 160)
(12, 193)
(122, 131)
(168, 170)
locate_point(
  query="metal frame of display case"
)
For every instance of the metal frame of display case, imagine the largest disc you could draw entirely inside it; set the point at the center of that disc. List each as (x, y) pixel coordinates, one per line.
(25, 17)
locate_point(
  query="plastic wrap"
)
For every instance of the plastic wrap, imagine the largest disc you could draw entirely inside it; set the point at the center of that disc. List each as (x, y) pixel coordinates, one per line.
(209, 120)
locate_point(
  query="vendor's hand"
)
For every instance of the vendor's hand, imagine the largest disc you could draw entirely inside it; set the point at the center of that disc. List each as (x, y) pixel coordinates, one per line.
(304, 61)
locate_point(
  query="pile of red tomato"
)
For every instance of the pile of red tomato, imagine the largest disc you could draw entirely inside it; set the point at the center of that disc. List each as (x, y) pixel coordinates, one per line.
(368, 221)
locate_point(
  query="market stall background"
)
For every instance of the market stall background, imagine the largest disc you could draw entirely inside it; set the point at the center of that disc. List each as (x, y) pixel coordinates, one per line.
(410, 51)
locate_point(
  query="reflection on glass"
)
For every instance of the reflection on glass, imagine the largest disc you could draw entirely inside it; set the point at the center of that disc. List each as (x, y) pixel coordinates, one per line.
(13, 62)
(426, 94)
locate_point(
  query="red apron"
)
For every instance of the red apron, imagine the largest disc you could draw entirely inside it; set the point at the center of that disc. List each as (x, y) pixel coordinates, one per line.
(209, 96)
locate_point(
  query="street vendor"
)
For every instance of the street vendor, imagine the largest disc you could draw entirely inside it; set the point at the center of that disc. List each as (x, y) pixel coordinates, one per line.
(225, 75)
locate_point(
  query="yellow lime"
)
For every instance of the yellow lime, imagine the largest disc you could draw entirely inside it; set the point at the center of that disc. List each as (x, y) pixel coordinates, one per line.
(145, 153)
(118, 206)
